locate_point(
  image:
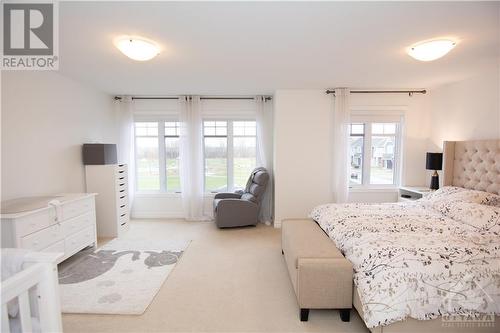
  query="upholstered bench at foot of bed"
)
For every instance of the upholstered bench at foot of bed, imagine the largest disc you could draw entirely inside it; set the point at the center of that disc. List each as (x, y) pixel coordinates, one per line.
(321, 276)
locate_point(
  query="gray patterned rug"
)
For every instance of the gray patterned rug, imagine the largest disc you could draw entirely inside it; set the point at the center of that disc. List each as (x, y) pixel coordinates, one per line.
(121, 277)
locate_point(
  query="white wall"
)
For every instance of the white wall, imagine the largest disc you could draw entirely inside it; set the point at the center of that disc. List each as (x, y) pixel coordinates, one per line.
(466, 110)
(303, 147)
(302, 151)
(46, 118)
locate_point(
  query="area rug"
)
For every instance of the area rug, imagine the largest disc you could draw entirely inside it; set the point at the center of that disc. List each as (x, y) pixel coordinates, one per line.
(121, 277)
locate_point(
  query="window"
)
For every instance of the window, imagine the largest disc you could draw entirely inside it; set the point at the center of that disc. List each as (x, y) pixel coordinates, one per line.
(374, 152)
(157, 156)
(215, 144)
(173, 179)
(147, 157)
(230, 153)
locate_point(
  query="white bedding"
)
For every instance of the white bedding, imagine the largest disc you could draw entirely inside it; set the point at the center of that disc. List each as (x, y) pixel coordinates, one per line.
(421, 259)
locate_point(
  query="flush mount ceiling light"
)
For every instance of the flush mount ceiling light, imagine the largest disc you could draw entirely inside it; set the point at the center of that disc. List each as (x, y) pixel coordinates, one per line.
(137, 48)
(431, 50)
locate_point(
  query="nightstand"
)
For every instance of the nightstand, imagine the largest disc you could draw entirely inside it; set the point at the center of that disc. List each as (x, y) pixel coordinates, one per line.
(411, 193)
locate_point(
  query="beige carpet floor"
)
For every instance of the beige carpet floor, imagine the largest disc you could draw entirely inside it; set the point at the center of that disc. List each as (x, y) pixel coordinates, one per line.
(231, 280)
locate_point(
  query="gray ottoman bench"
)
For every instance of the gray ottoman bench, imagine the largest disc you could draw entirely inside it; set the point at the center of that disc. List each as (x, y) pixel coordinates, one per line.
(321, 276)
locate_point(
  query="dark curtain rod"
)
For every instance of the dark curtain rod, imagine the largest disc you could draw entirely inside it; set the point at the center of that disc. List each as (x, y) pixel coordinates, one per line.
(267, 98)
(409, 92)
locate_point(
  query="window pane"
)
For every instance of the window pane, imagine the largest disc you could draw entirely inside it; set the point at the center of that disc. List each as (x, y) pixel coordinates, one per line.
(383, 128)
(221, 131)
(172, 128)
(209, 130)
(239, 128)
(382, 159)
(244, 159)
(148, 177)
(172, 164)
(377, 128)
(356, 153)
(390, 128)
(244, 128)
(215, 164)
(357, 128)
(146, 129)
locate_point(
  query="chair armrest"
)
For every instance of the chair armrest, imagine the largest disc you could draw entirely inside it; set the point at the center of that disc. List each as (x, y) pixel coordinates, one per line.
(236, 212)
(238, 204)
(227, 196)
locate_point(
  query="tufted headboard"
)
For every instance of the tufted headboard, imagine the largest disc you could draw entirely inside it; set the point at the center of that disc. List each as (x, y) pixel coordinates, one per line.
(472, 164)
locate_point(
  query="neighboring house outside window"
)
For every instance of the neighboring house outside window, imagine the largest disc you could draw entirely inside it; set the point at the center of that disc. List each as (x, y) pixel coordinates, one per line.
(375, 151)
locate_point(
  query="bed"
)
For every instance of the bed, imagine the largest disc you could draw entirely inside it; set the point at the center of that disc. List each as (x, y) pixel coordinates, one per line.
(432, 265)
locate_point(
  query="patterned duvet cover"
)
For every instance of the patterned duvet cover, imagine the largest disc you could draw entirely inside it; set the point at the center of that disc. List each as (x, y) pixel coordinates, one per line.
(436, 256)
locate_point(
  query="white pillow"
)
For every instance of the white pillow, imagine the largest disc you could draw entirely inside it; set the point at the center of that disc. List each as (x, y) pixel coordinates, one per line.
(482, 217)
(452, 193)
(443, 192)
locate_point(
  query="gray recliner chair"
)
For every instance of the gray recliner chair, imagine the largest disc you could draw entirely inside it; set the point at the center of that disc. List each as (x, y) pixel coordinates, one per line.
(242, 207)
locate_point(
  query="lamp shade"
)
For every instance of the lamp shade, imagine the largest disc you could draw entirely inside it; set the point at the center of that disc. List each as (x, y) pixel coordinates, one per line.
(434, 161)
(99, 154)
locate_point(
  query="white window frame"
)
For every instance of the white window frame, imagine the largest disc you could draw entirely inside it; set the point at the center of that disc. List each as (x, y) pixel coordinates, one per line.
(382, 116)
(230, 150)
(162, 172)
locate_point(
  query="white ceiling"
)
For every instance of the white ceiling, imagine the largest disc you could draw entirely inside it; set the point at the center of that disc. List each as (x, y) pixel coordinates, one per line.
(256, 48)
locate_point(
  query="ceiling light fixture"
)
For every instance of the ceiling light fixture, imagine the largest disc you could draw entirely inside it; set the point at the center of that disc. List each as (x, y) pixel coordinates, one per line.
(431, 50)
(137, 48)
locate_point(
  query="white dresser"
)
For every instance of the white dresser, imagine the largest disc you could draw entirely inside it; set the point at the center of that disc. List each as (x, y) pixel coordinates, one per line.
(110, 182)
(61, 223)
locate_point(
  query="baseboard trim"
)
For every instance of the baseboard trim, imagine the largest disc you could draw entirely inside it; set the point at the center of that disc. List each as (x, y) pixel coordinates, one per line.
(156, 215)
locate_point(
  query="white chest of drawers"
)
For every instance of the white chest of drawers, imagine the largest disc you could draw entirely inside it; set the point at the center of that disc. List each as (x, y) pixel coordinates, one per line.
(66, 227)
(110, 182)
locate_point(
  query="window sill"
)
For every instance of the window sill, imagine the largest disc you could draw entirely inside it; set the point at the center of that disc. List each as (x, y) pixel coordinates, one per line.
(388, 189)
(167, 195)
(157, 194)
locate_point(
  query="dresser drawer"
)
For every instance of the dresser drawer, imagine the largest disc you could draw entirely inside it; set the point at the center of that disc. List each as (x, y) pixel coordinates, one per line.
(34, 222)
(56, 247)
(122, 205)
(123, 218)
(75, 208)
(121, 177)
(77, 223)
(121, 170)
(121, 199)
(121, 182)
(79, 240)
(121, 189)
(42, 239)
(122, 209)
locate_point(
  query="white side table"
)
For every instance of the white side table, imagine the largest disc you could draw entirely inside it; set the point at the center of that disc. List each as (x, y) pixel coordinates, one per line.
(411, 193)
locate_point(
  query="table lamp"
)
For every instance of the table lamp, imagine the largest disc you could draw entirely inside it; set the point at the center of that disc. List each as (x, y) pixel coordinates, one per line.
(434, 161)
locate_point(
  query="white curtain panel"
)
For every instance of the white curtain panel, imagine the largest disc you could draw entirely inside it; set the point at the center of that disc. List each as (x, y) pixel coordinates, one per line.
(264, 117)
(341, 145)
(126, 144)
(191, 158)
